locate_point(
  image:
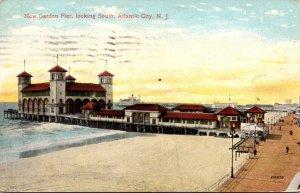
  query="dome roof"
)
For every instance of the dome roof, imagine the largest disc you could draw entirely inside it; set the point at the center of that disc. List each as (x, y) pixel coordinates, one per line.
(105, 73)
(69, 77)
(57, 69)
(24, 74)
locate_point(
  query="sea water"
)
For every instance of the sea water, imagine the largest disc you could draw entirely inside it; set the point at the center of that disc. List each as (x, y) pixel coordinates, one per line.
(22, 138)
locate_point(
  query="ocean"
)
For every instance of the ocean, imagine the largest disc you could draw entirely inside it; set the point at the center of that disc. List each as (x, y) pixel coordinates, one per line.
(21, 139)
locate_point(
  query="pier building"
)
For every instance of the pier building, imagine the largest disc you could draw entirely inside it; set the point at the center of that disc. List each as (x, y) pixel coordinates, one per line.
(62, 94)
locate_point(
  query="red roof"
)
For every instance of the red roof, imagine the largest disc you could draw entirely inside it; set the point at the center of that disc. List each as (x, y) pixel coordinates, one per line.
(24, 74)
(84, 87)
(69, 77)
(179, 115)
(111, 112)
(105, 73)
(36, 87)
(88, 106)
(146, 107)
(229, 111)
(190, 108)
(57, 69)
(255, 109)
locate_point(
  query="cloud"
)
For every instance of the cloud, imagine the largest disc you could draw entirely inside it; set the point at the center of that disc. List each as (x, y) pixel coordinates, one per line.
(284, 26)
(16, 17)
(202, 3)
(40, 8)
(275, 12)
(107, 10)
(206, 65)
(141, 10)
(235, 9)
(217, 8)
(249, 5)
(244, 19)
(181, 6)
(72, 3)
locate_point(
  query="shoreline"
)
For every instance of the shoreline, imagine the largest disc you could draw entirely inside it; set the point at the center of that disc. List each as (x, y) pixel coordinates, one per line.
(144, 163)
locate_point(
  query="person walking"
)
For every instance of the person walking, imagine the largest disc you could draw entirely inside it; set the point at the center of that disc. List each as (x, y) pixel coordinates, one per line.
(255, 152)
(291, 132)
(287, 149)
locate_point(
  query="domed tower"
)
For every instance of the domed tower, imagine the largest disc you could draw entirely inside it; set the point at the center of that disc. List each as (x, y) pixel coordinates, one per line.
(57, 89)
(24, 79)
(106, 81)
(69, 78)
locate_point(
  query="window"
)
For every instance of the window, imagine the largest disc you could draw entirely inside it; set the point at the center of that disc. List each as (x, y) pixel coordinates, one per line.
(128, 119)
(204, 122)
(165, 120)
(53, 77)
(190, 122)
(177, 121)
(52, 109)
(153, 121)
(60, 76)
(233, 118)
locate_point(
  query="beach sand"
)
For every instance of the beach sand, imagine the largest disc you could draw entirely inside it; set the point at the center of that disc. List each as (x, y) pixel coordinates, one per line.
(154, 162)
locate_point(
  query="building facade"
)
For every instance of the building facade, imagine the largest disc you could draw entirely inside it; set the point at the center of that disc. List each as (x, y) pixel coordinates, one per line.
(62, 94)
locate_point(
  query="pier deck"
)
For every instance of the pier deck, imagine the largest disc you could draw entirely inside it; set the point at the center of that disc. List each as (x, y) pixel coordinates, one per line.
(79, 119)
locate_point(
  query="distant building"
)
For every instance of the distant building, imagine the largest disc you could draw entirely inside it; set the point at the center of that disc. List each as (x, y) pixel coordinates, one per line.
(285, 107)
(288, 101)
(263, 107)
(223, 105)
(132, 100)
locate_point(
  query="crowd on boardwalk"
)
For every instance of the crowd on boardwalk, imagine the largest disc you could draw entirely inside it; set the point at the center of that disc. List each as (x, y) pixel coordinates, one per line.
(276, 162)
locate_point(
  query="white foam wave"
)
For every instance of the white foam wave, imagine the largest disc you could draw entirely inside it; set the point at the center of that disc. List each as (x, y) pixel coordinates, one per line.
(57, 143)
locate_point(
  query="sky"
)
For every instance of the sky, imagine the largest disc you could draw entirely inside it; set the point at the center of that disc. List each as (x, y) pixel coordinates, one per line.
(203, 51)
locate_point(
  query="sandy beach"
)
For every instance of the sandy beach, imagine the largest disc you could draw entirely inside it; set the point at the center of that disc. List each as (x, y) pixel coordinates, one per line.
(143, 163)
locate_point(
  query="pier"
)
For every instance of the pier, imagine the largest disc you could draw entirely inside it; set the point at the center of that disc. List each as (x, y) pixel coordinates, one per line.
(11, 114)
(78, 119)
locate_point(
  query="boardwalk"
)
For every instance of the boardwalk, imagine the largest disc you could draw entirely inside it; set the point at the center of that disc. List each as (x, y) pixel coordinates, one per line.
(272, 169)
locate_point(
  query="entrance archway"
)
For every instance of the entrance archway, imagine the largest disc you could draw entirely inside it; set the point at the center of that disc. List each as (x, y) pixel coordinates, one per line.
(70, 106)
(101, 104)
(78, 105)
(25, 106)
(46, 106)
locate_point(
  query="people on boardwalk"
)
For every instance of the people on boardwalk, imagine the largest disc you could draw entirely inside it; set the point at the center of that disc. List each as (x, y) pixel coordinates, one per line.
(287, 149)
(291, 132)
(254, 152)
(279, 127)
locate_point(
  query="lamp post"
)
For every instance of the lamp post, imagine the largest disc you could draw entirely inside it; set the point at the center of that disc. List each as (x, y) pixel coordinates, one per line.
(232, 132)
(254, 135)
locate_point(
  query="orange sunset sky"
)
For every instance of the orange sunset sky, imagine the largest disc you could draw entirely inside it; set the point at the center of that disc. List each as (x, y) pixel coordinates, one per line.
(204, 52)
